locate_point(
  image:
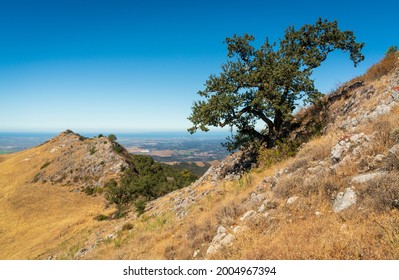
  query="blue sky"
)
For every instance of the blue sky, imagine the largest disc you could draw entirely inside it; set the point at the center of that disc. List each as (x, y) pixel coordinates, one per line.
(126, 66)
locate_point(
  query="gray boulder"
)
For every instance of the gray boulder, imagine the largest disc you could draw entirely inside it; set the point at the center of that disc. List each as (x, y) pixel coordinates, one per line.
(344, 200)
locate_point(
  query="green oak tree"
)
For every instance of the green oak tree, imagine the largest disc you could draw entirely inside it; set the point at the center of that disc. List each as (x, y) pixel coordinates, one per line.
(264, 85)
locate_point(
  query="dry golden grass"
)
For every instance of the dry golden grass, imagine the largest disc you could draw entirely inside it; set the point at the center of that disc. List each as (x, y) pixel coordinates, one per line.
(382, 67)
(36, 218)
(290, 231)
(297, 233)
(43, 219)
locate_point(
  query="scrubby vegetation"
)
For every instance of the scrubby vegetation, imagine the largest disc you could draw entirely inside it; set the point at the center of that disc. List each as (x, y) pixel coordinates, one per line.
(384, 66)
(144, 181)
(197, 169)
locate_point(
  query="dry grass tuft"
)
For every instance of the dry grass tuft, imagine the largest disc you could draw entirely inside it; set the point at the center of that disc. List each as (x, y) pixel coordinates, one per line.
(381, 68)
(381, 194)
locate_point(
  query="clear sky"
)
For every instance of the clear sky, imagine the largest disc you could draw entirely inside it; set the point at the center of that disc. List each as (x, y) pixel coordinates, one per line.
(126, 66)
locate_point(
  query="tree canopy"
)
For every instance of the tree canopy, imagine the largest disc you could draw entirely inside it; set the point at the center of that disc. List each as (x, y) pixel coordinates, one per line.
(265, 84)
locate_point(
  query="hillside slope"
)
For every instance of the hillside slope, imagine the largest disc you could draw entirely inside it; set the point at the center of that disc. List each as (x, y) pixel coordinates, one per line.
(337, 198)
(41, 202)
(51, 195)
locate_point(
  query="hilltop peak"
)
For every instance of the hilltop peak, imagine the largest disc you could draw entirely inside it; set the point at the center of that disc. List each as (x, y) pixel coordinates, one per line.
(73, 160)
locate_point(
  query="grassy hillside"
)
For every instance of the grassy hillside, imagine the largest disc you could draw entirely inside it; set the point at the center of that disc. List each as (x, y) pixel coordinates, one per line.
(38, 217)
(289, 207)
(44, 191)
(333, 196)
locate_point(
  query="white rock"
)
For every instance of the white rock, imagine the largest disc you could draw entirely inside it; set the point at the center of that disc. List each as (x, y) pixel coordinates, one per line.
(219, 241)
(378, 159)
(257, 197)
(292, 199)
(344, 200)
(395, 96)
(382, 109)
(248, 215)
(239, 229)
(318, 213)
(228, 240)
(262, 208)
(357, 138)
(266, 214)
(394, 150)
(221, 229)
(339, 149)
(364, 178)
(218, 237)
(212, 249)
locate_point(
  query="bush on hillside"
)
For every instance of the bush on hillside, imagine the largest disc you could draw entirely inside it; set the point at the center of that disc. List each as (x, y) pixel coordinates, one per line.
(148, 180)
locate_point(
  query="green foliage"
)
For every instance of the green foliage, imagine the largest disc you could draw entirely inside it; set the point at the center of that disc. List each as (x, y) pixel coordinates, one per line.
(265, 84)
(92, 190)
(156, 179)
(117, 148)
(280, 152)
(37, 177)
(45, 165)
(391, 50)
(101, 217)
(112, 137)
(121, 195)
(193, 167)
(148, 180)
(115, 145)
(92, 150)
(140, 205)
(100, 135)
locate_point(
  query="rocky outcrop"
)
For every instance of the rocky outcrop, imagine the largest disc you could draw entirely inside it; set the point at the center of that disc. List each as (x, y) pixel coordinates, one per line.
(81, 162)
(221, 239)
(232, 167)
(344, 200)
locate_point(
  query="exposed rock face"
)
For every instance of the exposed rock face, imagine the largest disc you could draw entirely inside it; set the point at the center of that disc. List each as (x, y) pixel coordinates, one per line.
(344, 200)
(364, 178)
(232, 167)
(352, 114)
(81, 162)
(221, 239)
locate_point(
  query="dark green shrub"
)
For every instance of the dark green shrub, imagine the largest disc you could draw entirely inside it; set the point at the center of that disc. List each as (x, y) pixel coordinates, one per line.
(282, 151)
(112, 137)
(139, 206)
(119, 194)
(392, 49)
(92, 190)
(92, 150)
(37, 177)
(45, 165)
(101, 217)
(117, 148)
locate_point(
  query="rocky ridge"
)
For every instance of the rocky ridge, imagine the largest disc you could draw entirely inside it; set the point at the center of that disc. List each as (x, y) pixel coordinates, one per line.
(359, 105)
(73, 160)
